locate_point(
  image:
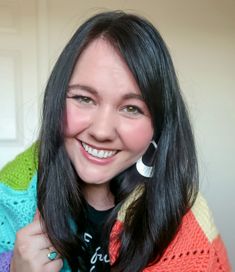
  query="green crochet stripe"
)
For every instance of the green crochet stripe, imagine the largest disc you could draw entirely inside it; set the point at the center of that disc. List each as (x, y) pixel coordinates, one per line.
(18, 173)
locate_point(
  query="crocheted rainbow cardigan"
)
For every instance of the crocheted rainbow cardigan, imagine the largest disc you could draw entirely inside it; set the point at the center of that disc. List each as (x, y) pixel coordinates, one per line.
(197, 247)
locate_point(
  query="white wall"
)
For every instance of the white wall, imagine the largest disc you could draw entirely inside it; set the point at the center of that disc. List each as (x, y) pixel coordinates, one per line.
(18, 76)
(201, 37)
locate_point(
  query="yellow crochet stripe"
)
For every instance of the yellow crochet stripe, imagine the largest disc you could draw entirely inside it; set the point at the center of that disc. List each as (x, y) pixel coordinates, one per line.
(132, 197)
(200, 210)
(18, 173)
(204, 217)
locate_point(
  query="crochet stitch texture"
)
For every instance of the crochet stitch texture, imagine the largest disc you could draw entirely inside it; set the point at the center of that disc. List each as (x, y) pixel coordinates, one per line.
(197, 247)
(18, 173)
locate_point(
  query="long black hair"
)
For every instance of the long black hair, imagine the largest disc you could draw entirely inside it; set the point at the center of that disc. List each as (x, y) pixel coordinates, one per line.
(152, 221)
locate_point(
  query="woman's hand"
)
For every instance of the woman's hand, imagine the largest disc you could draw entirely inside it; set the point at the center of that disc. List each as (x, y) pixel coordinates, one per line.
(31, 250)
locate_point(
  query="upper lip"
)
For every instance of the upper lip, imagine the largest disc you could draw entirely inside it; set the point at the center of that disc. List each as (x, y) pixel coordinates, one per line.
(99, 148)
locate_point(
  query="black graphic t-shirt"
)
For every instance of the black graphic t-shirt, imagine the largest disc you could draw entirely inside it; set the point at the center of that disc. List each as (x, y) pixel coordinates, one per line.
(99, 257)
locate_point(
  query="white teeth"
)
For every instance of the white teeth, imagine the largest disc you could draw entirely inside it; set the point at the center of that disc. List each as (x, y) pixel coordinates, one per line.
(98, 153)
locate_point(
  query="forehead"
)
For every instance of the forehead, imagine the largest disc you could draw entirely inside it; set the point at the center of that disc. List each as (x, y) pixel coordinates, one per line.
(102, 66)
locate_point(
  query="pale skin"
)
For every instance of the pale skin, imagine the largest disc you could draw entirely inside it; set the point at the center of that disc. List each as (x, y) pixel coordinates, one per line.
(105, 112)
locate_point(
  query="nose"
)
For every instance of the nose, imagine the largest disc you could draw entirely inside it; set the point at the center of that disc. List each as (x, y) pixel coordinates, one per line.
(104, 125)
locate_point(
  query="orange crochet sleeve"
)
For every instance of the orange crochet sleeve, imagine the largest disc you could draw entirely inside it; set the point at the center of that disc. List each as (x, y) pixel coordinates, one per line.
(220, 261)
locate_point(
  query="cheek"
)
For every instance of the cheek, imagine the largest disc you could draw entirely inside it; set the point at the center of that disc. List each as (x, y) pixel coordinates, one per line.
(74, 121)
(137, 137)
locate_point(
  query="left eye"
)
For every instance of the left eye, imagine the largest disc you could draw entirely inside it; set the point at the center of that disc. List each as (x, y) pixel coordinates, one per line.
(83, 99)
(132, 110)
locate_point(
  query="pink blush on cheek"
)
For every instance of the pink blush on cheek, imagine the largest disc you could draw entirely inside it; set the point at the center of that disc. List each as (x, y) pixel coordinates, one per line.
(67, 122)
(70, 121)
(75, 121)
(136, 137)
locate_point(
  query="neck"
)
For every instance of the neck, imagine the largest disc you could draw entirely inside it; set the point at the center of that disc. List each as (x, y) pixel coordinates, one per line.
(98, 196)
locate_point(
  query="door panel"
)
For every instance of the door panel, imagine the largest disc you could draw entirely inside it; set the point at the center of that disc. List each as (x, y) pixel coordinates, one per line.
(18, 77)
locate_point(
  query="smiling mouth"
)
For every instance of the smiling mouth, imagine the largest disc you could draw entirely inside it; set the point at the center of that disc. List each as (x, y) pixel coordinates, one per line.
(101, 153)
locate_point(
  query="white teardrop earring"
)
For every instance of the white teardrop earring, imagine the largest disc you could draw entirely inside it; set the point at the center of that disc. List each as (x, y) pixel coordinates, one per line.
(144, 170)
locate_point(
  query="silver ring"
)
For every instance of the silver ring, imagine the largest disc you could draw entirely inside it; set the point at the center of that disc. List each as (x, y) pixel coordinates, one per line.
(52, 255)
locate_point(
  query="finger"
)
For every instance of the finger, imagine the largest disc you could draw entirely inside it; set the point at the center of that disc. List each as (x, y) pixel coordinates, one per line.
(43, 256)
(32, 246)
(54, 266)
(47, 255)
(50, 254)
(41, 241)
(32, 229)
(52, 249)
(37, 215)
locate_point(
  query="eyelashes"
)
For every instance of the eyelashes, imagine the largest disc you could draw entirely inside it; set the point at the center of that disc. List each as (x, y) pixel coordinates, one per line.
(131, 109)
(82, 99)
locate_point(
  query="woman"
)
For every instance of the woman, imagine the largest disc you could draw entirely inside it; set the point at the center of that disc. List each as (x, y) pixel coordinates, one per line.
(117, 181)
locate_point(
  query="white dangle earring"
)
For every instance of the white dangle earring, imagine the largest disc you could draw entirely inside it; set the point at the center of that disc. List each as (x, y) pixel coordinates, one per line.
(144, 170)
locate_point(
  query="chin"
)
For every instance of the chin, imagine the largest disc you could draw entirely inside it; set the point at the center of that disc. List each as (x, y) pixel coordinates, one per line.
(94, 180)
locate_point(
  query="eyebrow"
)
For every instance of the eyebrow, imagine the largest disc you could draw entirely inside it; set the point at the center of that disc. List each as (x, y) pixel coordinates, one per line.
(95, 92)
(82, 87)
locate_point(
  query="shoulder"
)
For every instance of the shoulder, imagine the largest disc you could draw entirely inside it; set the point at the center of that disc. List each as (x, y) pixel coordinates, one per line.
(18, 173)
(203, 218)
(197, 245)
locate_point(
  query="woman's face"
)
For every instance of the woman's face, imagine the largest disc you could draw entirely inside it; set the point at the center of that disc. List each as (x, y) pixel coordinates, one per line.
(107, 123)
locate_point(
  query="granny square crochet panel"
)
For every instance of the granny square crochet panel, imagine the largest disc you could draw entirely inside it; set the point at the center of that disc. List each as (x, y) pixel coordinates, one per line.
(18, 196)
(18, 181)
(17, 201)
